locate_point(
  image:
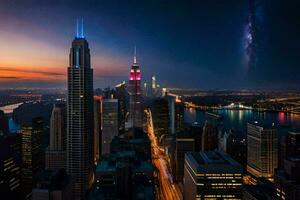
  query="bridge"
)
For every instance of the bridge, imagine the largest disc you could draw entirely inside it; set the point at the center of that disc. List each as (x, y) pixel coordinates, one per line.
(237, 106)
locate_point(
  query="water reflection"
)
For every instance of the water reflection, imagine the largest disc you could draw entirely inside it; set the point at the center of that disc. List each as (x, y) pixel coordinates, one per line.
(238, 119)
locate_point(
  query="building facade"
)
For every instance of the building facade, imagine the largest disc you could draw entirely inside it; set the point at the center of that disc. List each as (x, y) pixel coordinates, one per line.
(211, 175)
(262, 153)
(80, 116)
(110, 127)
(55, 153)
(32, 155)
(135, 95)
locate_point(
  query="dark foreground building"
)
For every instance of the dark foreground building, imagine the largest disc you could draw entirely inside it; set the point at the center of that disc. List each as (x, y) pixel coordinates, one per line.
(212, 175)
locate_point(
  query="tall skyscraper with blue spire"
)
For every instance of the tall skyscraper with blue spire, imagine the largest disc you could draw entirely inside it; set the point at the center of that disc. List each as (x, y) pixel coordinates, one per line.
(80, 115)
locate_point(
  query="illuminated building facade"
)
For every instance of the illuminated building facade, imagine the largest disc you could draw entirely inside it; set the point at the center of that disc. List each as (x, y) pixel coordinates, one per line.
(110, 127)
(55, 153)
(10, 166)
(211, 175)
(32, 154)
(262, 150)
(80, 116)
(153, 85)
(134, 90)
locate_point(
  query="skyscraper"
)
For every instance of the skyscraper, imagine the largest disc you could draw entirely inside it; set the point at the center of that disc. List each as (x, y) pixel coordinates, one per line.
(4, 129)
(10, 166)
(97, 127)
(32, 155)
(134, 89)
(262, 155)
(110, 123)
(210, 132)
(153, 85)
(80, 116)
(55, 153)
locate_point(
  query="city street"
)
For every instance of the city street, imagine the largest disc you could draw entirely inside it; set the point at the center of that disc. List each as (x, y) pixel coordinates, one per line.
(168, 189)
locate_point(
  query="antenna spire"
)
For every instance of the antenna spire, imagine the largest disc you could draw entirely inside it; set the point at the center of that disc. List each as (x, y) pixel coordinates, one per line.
(77, 27)
(134, 57)
(82, 33)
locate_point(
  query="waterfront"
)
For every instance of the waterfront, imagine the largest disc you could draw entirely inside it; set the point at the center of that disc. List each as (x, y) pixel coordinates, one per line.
(238, 119)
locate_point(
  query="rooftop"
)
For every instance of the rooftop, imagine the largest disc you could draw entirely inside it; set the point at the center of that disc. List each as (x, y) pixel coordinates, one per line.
(212, 161)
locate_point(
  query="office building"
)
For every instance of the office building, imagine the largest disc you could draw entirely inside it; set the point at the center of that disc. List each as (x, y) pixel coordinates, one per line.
(123, 175)
(234, 144)
(185, 142)
(262, 155)
(32, 155)
(80, 116)
(123, 100)
(212, 175)
(53, 185)
(290, 146)
(97, 127)
(176, 114)
(110, 127)
(4, 129)
(134, 90)
(287, 180)
(56, 152)
(160, 117)
(211, 129)
(10, 166)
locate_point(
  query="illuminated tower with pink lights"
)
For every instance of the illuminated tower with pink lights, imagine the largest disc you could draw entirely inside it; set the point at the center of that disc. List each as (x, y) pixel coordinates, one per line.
(134, 89)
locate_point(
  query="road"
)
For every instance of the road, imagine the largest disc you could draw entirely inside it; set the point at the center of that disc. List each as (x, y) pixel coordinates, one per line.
(169, 190)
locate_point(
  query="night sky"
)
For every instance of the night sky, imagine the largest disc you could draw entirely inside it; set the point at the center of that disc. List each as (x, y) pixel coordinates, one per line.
(187, 44)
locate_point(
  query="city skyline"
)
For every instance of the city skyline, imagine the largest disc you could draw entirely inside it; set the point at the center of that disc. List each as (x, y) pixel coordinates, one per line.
(183, 39)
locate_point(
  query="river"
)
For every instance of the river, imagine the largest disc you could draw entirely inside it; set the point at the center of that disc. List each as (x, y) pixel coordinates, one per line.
(238, 119)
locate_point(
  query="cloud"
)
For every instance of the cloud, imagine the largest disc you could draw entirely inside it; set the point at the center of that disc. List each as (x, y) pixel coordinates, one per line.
(47, 73)
(9, 77)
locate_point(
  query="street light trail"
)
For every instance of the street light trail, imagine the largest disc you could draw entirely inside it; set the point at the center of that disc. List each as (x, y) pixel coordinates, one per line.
(169, 190)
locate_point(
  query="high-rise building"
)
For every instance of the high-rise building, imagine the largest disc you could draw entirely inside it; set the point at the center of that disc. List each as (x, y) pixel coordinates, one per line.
(10, 166)
(55, 153)
(97, 128)
(211, 130)
(80, 116)
(110, 127)
(185, 142)
(262, 155)
(153, 85)
(32, 154)
(287, 180)
(160, 117)
(4, 129)
(123, 99)
(134, 90)
(290, 146)
(212, 175)
(176, 114)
